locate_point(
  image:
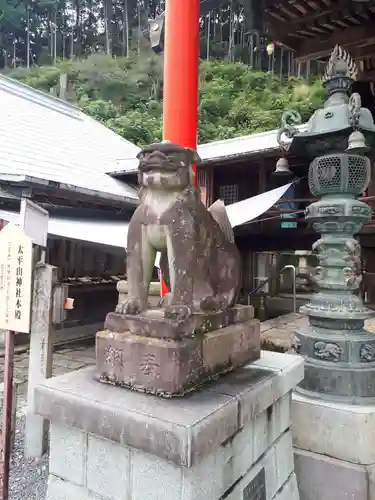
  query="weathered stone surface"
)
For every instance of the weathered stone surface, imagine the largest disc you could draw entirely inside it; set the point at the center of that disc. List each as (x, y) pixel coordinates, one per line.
(342, 431)
(115, 472)
(231, 347)
(58, 489)
(324, 478)
(180, 430)
(73, 446)
(107, 468)
(198, 331)
(199, 258)
(289, 490)
(122, 444)
(278, 334)
(154, 290)
(174, 367)
(149, 364)
(152, 323)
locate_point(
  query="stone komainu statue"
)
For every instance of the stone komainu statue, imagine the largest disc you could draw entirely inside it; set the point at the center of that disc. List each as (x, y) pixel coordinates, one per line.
(199, 260)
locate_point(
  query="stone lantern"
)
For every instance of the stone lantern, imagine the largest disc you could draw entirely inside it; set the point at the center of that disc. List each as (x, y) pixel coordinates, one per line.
(339, 352)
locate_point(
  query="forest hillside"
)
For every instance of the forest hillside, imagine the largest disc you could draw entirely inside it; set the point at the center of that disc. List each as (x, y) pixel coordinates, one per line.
(103, 47)
(125, 94)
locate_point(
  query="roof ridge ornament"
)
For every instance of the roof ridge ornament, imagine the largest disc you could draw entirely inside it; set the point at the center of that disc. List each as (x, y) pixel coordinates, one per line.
(340, 64)
(288, 129)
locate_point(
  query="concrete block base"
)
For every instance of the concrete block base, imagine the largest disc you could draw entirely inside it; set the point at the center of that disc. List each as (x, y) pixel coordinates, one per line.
(323, 478)
(230, 441)
(334, 447)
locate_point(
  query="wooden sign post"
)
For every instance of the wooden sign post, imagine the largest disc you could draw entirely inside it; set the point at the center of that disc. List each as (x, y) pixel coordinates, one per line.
(16, 265)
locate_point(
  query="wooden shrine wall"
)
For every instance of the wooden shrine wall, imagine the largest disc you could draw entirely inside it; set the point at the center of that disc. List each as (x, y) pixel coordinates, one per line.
(78, 259)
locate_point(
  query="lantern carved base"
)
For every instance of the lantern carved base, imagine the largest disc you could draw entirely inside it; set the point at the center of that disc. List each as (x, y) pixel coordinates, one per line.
(152, 354)
(340, 365)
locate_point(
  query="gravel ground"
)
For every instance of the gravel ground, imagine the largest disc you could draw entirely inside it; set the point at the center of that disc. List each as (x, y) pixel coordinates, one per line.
(28, 478)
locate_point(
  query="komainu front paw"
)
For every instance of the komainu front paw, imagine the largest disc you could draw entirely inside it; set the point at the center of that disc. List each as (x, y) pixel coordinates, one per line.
(130, 306)
(177, 313)
(210, 304)
(165, 300)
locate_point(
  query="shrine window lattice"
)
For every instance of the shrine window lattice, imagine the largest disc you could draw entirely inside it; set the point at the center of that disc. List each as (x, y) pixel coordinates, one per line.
(229, 193)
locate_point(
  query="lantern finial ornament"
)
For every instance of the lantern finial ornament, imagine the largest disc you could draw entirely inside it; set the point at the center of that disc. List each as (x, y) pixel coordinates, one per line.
(340, 64)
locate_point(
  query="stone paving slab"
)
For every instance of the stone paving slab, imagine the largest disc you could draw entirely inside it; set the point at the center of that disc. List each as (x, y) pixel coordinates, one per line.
(64, 361)
(277, 334)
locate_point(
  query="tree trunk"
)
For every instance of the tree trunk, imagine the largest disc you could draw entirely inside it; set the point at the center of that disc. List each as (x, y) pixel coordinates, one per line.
(125, 29)
(214, 17)
(139, 28)
(27, 36)
(108, 26)
(77, 30)
(54, 47)
(208, 36)
(14, 53)
(231, 33)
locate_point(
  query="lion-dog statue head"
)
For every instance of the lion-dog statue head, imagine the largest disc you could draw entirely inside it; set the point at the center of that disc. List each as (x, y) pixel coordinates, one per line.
(166, 166)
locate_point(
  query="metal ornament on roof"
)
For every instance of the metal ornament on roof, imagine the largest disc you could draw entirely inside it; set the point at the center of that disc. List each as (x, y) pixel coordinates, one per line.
(341, 63)
(339, 352)
(288, 128)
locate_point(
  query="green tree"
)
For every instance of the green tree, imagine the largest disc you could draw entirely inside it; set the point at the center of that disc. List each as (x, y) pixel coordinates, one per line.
(125, 94)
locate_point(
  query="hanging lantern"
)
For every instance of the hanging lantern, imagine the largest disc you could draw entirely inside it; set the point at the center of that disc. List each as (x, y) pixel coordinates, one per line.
(156, 33)
(357, 143)
(282, 166)
(270, 48)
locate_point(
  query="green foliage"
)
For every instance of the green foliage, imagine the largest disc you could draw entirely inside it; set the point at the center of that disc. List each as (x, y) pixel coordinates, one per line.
(40, 78)
(125, 94)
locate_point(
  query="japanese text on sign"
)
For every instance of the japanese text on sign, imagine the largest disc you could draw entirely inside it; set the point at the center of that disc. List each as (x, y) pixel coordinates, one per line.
(15, 279)
(19, 294)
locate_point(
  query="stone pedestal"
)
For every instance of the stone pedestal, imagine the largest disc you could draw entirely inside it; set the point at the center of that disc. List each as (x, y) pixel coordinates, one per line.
(334, 449)
(232, 440)
(168, 357)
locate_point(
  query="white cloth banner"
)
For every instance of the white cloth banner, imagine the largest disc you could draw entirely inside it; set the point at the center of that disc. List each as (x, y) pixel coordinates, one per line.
(247, 210)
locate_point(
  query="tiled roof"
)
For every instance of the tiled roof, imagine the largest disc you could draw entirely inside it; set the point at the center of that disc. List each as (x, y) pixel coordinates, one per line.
(219, 151)
(246, 145)
(44, 138)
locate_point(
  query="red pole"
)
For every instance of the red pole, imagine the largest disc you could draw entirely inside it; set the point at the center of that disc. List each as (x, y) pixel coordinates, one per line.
(181, 52)
(6, 431)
